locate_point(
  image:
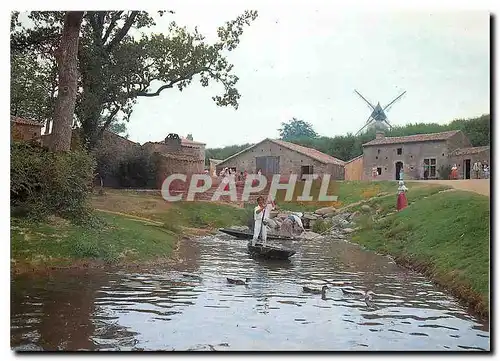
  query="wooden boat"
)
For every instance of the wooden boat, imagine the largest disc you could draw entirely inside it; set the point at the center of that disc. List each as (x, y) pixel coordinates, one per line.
(269, 252)
(248, 235)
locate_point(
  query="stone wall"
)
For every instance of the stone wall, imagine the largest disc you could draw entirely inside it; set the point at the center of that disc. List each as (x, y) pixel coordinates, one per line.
(24, 132)
(289, 161)
(412, 155)
(478, 154)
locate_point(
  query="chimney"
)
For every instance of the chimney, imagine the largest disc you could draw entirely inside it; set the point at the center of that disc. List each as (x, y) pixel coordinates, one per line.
(379, 134)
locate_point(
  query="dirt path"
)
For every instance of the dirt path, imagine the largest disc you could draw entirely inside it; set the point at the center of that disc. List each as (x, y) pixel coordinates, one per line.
(480, 186)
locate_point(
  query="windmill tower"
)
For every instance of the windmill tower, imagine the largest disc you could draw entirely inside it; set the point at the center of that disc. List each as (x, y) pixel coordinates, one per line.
(377, 118)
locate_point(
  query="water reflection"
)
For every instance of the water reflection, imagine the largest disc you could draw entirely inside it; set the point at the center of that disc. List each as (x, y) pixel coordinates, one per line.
(192, 307)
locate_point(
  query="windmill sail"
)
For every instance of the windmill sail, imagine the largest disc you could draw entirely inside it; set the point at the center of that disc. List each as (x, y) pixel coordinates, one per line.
(378, 118)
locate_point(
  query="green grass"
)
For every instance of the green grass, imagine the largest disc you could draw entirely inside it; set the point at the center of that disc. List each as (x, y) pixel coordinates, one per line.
(118, 238)
(445, 235)
(348, 192)
(202, 215)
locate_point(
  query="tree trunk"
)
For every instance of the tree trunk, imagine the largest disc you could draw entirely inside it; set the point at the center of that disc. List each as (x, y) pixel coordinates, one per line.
(68, 77)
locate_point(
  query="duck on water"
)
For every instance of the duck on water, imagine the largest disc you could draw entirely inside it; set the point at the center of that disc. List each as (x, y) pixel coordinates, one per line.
(234, 281)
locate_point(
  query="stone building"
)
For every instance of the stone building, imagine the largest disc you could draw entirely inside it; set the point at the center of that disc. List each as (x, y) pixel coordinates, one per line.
(274, 156)
(465, 158)
(24, 129)
(420, 156)
(177, 155)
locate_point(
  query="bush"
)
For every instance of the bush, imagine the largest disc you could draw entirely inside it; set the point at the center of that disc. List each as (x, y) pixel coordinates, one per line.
(321, 226)
(44, 183)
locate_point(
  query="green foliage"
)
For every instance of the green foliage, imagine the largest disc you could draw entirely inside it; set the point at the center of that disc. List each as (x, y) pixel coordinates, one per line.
(223, 153)
(136, 170)
(321, 226)
(119, 60)
(32, 87)
(44, 183)
(296, 128)
(116, 238)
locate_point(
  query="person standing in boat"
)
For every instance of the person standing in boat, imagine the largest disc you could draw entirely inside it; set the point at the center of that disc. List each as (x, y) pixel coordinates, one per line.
(261, 216)
(402, 202)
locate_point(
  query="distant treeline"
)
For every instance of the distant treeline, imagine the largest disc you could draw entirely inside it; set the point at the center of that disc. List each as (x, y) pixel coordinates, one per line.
(349, 146)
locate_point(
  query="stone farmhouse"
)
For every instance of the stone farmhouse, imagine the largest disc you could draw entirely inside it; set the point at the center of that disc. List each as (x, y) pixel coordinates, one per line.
(274, 156)
(420, 156)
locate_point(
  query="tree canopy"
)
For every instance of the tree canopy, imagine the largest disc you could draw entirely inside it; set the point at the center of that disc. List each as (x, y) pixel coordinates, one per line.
(119, 60)
(296, 128)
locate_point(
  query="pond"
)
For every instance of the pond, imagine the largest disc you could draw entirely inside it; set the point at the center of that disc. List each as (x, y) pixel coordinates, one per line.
(167, 309)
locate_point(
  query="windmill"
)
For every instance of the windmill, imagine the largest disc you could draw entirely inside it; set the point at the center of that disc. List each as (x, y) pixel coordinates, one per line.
(377, 118)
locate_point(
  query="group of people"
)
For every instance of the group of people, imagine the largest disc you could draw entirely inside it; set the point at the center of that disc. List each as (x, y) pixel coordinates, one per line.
(480, 170)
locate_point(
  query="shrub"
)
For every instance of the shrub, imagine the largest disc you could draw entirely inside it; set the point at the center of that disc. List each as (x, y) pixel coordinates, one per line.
(44, 183)
(321, 226)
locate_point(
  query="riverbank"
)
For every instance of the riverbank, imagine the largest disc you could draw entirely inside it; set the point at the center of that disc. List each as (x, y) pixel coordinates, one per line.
(119, 238)
(444, 235)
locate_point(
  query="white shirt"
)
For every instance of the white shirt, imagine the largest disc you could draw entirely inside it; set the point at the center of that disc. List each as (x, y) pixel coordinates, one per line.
(267, 210)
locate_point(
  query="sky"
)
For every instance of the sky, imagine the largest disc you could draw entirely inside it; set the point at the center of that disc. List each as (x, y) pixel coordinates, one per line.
(305, 62)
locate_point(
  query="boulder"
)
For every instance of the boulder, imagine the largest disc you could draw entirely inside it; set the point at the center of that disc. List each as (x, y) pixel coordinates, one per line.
(325, 210)
(348, 230)
(310, 216)
(271, 223)
(366, 208)
(353, 216)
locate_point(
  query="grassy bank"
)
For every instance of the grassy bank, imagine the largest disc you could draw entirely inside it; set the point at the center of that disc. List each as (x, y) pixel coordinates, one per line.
(120, 237)
(348, 192)
(444, 235)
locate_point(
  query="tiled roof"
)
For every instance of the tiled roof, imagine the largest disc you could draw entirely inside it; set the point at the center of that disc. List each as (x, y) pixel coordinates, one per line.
(309, 152)
(471, 150)
(19, 120)
(413, 138)
(185, 141)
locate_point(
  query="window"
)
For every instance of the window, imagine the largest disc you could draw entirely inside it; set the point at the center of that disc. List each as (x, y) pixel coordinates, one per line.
(306, 169)
(379, 171)
(378, 151)
(400, 151)
(376, 157)
(430, 166)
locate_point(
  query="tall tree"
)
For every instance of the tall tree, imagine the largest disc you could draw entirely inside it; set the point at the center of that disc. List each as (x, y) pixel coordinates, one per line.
(296, 129)
(120, 60)
(68, 77)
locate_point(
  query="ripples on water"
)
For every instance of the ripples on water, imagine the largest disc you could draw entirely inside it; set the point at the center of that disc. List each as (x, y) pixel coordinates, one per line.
(171, 310)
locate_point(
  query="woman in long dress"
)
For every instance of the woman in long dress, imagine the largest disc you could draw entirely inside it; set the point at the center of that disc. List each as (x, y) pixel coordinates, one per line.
(402, 202)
